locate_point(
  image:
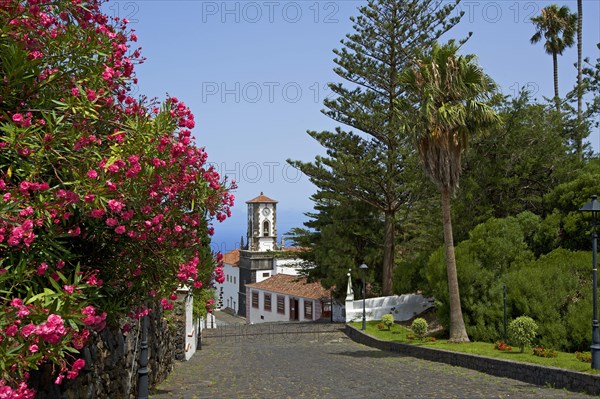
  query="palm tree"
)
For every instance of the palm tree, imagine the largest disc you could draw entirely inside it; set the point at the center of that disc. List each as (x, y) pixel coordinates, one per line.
(579, 78)
(557, 26)
(452, 92)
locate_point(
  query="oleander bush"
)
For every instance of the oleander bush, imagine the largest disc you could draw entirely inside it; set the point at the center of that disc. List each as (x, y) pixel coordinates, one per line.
(106, 202)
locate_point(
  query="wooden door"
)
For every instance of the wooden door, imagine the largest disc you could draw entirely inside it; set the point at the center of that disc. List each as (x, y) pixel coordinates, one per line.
(293, 309)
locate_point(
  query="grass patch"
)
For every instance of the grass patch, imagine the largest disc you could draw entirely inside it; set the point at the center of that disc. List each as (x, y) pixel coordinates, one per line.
(400, 333)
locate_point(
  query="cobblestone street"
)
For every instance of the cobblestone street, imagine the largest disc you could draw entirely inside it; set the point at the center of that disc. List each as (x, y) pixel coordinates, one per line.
(320, 361)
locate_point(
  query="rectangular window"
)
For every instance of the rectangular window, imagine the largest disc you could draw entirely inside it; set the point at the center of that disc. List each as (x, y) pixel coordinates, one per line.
(267, 274)
(280, 304)
(308, 310)
(267, 304)
(255, 299)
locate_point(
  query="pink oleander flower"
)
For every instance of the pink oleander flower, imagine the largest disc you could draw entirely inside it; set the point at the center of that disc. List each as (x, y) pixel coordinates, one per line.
(75, 368)
(52, 330)
(28, 330)
(11, 330)
(16, 303)
(115, 206)
(97, 213)
(41, 269)
(90, 94)
(92, 174)
(80, 338)
(166, 304)
(33, 348)
(120, 229)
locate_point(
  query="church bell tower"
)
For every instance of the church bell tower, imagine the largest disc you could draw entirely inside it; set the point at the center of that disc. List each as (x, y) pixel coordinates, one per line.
(262, 227)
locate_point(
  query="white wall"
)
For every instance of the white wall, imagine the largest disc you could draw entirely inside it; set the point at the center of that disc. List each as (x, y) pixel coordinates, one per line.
(403, 307)
(230, 287)
(192, 328)
(287, 266)
(263, 275)
(266, 243)
(260, 315)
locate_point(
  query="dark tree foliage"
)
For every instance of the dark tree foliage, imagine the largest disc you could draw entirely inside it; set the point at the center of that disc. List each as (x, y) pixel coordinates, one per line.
(341, 236)
(511, 168)
(375, 165)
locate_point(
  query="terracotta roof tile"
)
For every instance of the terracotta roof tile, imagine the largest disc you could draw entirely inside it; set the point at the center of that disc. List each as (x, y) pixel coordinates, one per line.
(232, 257)
(292, 285)
(261, 199)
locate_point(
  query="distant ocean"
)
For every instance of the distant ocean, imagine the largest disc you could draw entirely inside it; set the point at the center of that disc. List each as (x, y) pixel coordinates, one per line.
(228, 234)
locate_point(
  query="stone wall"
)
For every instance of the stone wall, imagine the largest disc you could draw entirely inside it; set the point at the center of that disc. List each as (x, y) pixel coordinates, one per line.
(530, 373)
(112, 361)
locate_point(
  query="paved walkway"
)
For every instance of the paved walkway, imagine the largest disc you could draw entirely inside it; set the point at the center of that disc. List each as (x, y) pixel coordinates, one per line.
(271, 361)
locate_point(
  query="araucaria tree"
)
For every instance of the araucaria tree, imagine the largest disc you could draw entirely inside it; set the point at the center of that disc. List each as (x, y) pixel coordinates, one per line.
(375, 164)
(106, 203)
(557, 26)
(453, 93)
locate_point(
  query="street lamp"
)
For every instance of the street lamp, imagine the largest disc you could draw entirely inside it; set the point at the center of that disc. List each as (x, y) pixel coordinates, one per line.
(143, 391)
(363, 269)
(594, 207)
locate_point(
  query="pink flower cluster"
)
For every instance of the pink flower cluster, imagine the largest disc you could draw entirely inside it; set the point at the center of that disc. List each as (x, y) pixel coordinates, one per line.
(156, 196)
(21, 392)
(188, 270)
(52, 330)
(93, 320)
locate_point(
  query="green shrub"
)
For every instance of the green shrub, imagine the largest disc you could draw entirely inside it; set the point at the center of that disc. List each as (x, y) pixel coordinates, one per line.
(585, 357)
(522, 331)
(419, 327)
(388, 320)
(544, 352)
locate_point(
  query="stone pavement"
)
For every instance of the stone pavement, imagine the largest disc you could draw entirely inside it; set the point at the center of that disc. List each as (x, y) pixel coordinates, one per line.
(225, 318)
(319, 361)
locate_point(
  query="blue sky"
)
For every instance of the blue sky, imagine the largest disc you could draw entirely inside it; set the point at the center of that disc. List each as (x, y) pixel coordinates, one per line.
(255, 74)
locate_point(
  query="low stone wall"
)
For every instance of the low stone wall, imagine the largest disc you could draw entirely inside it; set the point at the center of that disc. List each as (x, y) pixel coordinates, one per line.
(530, 373)
(112, 362)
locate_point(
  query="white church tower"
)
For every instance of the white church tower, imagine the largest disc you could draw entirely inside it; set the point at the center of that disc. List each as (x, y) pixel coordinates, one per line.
(262, 227)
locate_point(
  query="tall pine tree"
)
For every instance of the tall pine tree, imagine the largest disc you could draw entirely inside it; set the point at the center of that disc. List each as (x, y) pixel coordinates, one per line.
(376, 165)
(342, 235)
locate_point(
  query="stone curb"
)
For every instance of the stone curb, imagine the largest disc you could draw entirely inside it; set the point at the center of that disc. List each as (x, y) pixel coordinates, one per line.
(526, 372)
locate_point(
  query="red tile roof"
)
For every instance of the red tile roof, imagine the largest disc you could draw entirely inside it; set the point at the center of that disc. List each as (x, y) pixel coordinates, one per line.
(232, 257)
(292, 285)
(263, 199)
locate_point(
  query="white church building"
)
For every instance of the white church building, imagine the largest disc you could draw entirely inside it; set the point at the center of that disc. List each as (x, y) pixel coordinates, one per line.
(262, 279)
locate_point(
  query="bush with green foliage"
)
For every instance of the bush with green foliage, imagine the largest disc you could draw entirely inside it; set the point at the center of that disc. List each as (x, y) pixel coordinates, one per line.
(556, 290)
(419, 327)
(388, 320)
(585, 357)
(544, 352)
(522, 331)
(495, 247)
